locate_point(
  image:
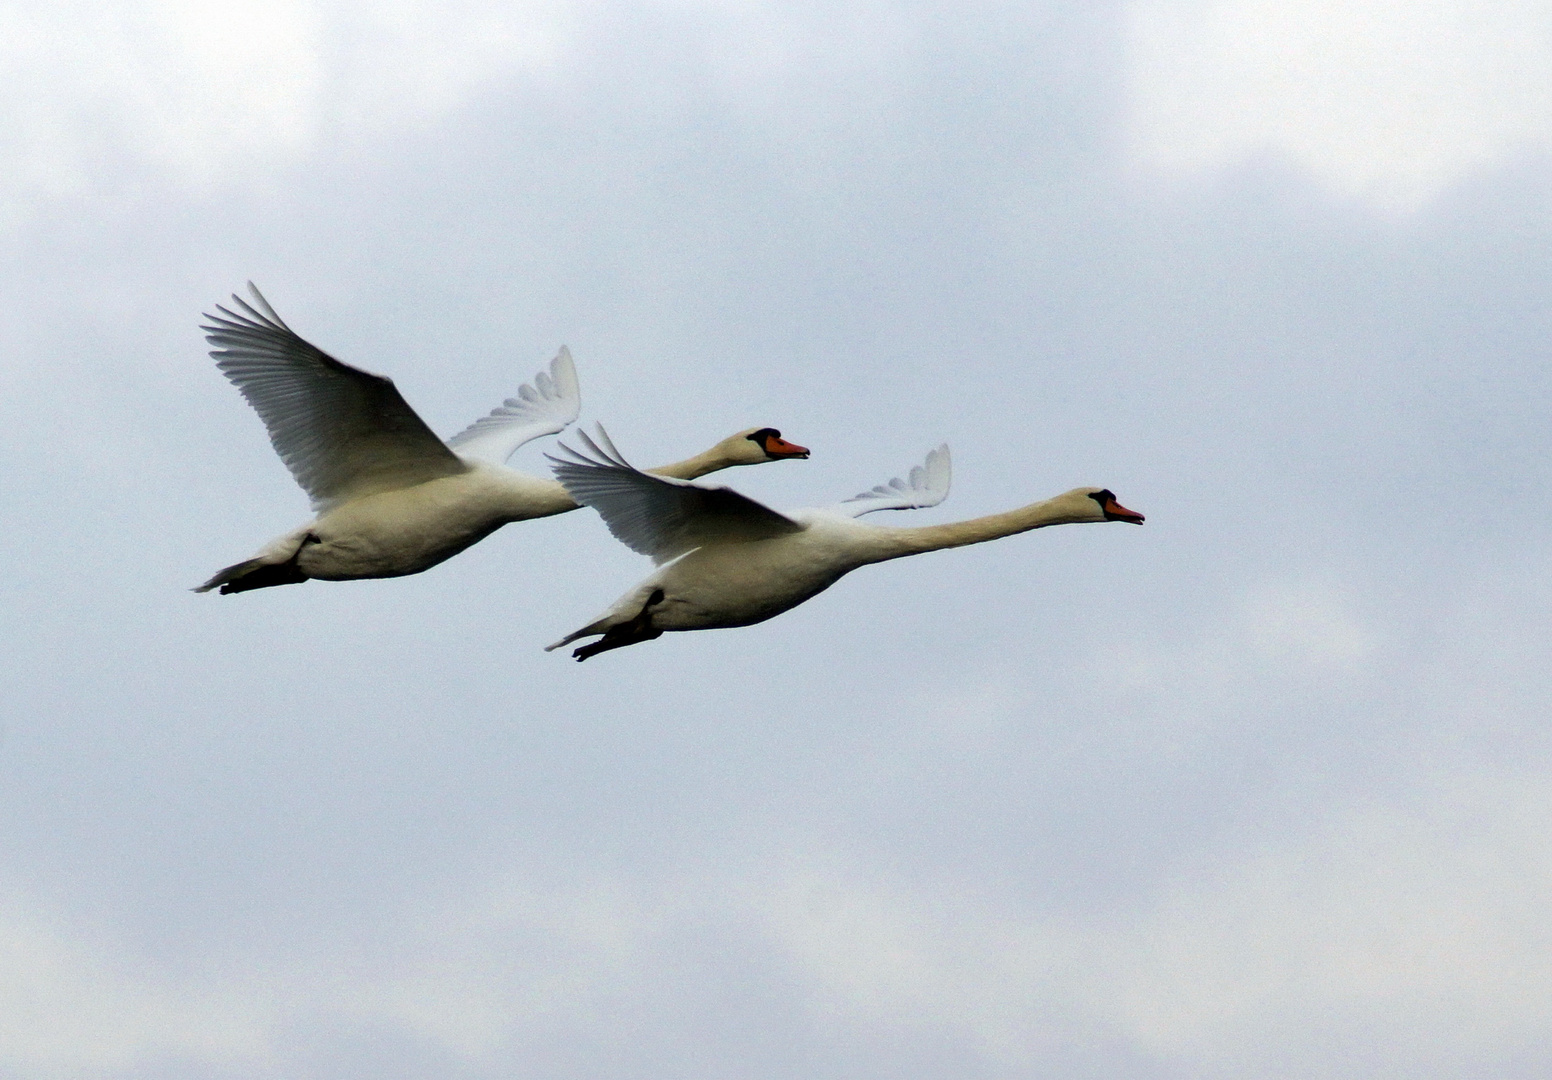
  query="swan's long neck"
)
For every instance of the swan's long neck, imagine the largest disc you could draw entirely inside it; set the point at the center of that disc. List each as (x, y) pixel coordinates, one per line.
(707, 461)
(519, 496)
(1072, 508)
(537, 496)
(540, 496)
(546, 498)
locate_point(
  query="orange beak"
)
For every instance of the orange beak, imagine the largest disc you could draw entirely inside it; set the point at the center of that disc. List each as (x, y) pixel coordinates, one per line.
(1121, 513)
(778, 447)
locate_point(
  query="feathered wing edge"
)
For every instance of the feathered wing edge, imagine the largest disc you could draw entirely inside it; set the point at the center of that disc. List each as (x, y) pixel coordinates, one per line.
(925, 485)
(604, 452)
(262, 314)
(549, 404)
(342, 431)
(638, 508)
(576, 468)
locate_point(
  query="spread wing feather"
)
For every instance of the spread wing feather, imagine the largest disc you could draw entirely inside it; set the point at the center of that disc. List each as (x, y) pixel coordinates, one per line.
(343, 432)
(925, 485)
(543, 407)
(658, 515)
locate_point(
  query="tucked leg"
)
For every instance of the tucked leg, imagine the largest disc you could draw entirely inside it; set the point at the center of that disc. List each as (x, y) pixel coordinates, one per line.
(273, 566)
(627, 633)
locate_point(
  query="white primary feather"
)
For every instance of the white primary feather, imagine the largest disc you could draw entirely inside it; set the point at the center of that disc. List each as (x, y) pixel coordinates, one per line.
(658, 515)
(926, 485)
(547, 405)
(344, 433)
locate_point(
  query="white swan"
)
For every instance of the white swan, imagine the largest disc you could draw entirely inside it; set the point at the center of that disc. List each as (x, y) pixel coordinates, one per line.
(732, 562)
(391, 497)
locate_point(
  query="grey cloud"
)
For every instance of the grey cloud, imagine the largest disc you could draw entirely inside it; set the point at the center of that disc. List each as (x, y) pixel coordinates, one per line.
(1254, 787)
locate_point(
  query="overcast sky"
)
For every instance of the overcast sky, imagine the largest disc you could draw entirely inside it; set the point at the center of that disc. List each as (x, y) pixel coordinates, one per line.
(1262, 789)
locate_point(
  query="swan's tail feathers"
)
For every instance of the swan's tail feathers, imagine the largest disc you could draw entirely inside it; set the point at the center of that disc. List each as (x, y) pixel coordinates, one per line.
(569, 638)
(259, 573)
(598, 626)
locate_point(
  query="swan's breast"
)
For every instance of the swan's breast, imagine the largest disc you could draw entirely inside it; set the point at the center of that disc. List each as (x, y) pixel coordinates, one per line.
(409, 529)
(741, 583)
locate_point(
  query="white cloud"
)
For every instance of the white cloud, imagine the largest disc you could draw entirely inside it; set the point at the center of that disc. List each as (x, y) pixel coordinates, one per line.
(764, 54)
(508, 961)
(1416, 931)
(1277, 633)
(204, 93)
(70, 1006)
(1380, 100)
(1311, 624)
(1413, 927)
(193, 88)
(500, 964)
(212, 94)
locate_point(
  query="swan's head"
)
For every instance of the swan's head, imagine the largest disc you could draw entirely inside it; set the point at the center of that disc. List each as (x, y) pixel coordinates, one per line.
(759, 445)
(1089, 504)
(1102, 506)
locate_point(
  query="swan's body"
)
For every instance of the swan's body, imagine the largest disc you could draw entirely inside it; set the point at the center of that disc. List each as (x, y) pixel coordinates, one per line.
(729, 561)
(392, 498)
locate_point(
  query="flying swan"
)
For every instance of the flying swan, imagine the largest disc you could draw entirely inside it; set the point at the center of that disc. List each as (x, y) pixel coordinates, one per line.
(390, 497)
(726, 560)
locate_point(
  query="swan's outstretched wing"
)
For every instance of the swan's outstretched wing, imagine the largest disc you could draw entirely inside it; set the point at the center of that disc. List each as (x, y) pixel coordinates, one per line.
(542, 407)
(927, 485)
(657, 515)
(342, 432)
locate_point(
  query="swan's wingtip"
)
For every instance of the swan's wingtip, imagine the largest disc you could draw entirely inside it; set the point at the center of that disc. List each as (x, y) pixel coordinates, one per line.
(563, 369)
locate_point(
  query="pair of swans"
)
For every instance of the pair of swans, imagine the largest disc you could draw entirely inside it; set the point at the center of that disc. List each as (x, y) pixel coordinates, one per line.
(393, 499)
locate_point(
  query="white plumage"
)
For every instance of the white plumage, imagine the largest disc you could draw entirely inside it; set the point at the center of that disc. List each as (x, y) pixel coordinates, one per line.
(391, 497)
(925, 485)
(727, 560)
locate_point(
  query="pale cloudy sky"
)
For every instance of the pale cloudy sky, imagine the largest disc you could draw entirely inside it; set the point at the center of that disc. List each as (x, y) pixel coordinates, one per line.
(1263, 789)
